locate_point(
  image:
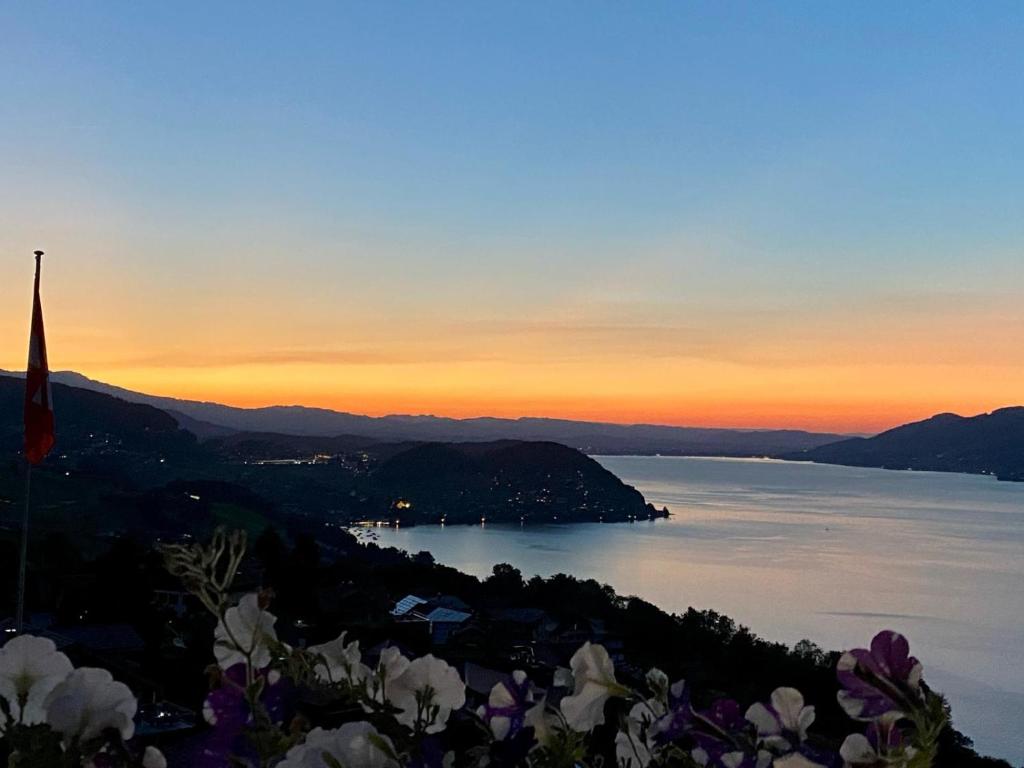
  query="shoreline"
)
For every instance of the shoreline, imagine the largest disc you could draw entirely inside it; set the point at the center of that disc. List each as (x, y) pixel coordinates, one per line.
(805, 462)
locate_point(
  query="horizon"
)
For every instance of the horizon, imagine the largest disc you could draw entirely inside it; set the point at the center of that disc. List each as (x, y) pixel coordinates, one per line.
(729, 216)
(398, 414)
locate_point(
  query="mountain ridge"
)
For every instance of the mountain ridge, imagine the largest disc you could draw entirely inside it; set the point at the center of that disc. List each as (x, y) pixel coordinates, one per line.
(209, 419)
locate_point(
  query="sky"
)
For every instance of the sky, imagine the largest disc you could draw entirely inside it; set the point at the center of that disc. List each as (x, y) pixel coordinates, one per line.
(793, 214)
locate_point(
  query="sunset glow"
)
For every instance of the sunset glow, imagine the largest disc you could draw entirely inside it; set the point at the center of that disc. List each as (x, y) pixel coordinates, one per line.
(286, 210)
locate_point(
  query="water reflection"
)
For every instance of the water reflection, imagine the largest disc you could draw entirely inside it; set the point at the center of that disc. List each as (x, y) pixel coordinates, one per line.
(799, 550)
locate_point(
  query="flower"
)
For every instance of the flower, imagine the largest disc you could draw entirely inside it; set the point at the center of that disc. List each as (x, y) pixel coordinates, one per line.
(506, 707)
(153, 758)
(678, 714)
(30, 667)
(633, 746)
(543, 721)
(390, 667)
(785, 714)
(593, 684)
(339, 662)
(715, 727)
(795, 760)
(426, 693)
(657, 681)
(871, 748)
(227, 708)
(354, 744)
(89, 702)
(731, 759)
(883, 680)
(244, 633)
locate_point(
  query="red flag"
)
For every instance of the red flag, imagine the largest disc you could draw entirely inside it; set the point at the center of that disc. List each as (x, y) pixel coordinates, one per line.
(38, 401)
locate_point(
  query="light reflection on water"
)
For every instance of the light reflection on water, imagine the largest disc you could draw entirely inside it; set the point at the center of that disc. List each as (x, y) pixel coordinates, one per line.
(801, 550)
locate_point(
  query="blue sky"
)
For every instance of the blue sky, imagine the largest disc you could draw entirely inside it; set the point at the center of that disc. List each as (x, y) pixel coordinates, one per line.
(682, 166)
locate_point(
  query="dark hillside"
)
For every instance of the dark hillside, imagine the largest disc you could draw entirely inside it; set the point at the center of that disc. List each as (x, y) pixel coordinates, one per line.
(990, 444)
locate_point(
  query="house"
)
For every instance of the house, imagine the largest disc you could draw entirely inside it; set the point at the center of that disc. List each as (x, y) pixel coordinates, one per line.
(444, 622)
(407, 605)
(443, 615)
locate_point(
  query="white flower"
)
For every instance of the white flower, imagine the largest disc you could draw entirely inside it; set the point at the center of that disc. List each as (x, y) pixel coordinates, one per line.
(354, 745)
(339, 661)
(633, 746)
(857, 750)
(787, 713)
(734, 759)
(594, 683)
(631, 751)
(562, 678)
(88, 702)
(427, 681)
(657, 682)
(795, 760)
(153, 758)
(30, 667)
(246, 629)
(390, 666)
(543, 722)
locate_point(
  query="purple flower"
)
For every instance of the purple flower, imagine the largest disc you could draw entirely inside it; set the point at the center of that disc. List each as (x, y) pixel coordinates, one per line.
(229, 714)
(717, 732)
(725, 715)
(678, 719)
(885, 680)
(506, 707)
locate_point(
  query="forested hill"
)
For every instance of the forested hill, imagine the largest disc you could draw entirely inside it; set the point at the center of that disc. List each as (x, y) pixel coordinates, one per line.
(127, 466)
(990, 443)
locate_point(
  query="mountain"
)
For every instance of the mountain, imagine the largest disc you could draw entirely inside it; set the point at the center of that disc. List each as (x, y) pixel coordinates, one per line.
(119, 465)
(989, 443)
(215, 420)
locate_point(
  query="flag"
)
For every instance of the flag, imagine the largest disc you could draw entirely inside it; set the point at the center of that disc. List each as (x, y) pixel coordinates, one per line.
(38, 401)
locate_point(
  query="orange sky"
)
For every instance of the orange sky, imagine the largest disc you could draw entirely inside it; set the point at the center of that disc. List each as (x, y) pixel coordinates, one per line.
(892, 359)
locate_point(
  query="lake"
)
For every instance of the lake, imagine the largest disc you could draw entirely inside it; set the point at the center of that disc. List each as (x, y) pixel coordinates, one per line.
(796, 550)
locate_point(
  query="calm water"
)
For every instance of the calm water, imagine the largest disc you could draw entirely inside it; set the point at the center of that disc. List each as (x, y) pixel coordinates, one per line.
(801, 550)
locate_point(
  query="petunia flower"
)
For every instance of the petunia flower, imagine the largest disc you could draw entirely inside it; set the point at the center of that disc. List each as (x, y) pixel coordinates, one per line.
(507, 704)
(30, 667)
(244, 634)
(881, 740)
(882, 680)
(153, 758)
(89, 702)
(715, 728)
(796, 760)
(351, 745)
(634, 745)
(731, 759)
(678, 717)
(426, 693)
(593, 684)
(339, 661)
(782, 725)
(543, 721)
(390, 666)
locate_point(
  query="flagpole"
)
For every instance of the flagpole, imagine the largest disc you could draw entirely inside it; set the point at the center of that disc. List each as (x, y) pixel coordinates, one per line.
(20, 615)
